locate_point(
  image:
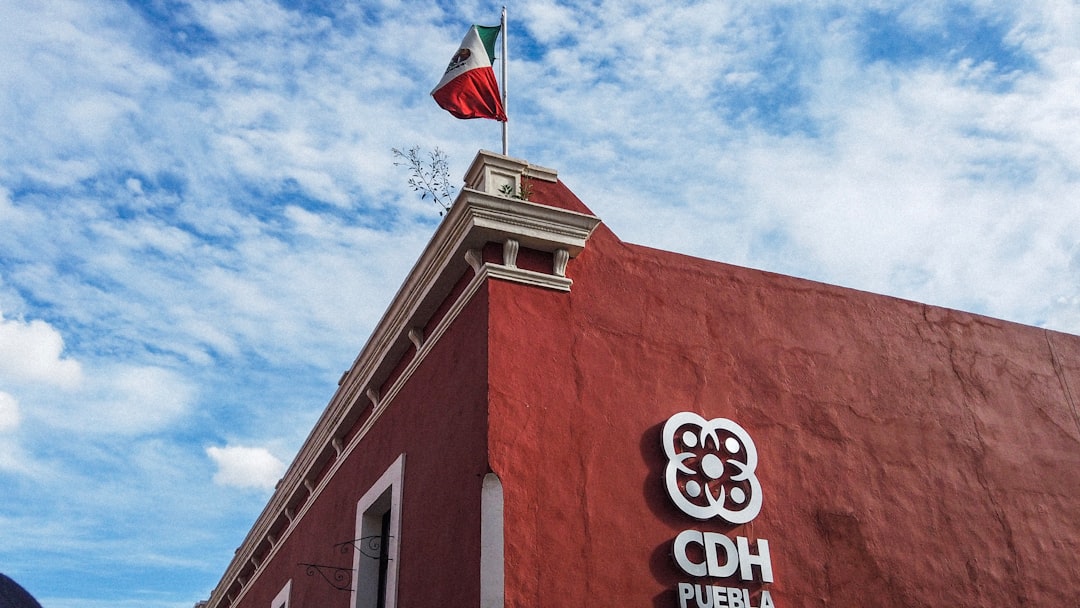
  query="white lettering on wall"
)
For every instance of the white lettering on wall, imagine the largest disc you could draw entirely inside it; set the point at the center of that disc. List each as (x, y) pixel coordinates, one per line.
(722, 556)
(711, 473)
(714, 596)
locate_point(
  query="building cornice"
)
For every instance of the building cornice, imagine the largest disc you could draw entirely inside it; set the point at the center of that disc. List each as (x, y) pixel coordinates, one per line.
(480, 215)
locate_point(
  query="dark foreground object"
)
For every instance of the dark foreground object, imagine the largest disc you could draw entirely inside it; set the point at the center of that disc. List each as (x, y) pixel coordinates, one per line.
(12, 595)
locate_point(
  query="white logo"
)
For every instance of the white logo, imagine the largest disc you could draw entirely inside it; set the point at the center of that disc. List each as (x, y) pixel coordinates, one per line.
(710, 470)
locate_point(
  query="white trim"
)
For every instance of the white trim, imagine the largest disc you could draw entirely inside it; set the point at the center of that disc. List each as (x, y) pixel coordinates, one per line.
(492, 560)
(526, 277)
(559, 260)
(369, 511)
(282, 599)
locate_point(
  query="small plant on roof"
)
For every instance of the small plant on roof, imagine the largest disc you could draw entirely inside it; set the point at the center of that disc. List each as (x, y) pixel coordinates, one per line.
(523, 193)
(429, 176)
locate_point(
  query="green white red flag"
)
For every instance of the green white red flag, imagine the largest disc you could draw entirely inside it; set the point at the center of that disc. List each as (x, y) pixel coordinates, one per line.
(468, 89)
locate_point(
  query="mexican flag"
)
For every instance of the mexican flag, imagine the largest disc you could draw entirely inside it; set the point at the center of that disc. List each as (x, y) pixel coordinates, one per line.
(468, 89)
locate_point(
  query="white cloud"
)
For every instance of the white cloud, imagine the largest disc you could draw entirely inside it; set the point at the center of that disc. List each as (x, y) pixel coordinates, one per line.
(929, 181)
(33, 352)
(74, 77)
(245, 467)
(239, 17)
(548, 21)
(141, 399)
(117, 400)
(9, 412)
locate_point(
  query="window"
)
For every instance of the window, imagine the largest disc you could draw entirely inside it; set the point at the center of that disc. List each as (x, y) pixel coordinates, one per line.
(378, 534)
(282, 599)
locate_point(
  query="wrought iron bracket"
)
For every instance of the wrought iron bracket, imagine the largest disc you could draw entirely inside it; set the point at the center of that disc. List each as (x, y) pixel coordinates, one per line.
(368, 546)
(338, 578)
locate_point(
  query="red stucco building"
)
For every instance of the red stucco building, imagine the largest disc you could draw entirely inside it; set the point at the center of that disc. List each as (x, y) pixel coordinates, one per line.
(548, 416)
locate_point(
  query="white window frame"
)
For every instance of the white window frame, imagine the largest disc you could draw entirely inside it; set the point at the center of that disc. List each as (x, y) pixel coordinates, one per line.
(282, 599)
(384, 495)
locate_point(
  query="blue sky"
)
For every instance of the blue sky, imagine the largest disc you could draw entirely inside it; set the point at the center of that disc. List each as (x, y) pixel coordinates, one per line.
(201, 220)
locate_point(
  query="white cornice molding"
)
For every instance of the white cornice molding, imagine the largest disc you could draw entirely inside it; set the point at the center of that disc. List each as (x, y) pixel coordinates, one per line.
(526, 277)
(491, 172)
(476, 218)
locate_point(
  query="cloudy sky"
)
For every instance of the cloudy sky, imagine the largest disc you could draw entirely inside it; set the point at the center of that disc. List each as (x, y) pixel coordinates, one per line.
(201, 219)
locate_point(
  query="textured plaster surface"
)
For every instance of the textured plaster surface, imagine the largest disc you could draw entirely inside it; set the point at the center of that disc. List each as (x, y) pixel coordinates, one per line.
(909, 455)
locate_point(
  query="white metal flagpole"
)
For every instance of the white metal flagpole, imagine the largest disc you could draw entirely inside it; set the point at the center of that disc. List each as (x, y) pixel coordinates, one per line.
(505, 124)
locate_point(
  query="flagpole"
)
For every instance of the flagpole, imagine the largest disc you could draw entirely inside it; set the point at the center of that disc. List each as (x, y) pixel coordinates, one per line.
(505, 124)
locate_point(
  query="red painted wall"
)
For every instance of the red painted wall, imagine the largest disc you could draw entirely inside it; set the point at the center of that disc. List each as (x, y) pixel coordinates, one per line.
(439, 421)
(909, 455)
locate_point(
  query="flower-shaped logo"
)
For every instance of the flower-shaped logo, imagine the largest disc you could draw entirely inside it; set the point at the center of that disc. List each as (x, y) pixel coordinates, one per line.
(710, 469)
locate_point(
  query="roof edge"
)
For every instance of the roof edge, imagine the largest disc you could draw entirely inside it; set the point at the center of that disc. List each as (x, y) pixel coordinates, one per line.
(484, 211)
